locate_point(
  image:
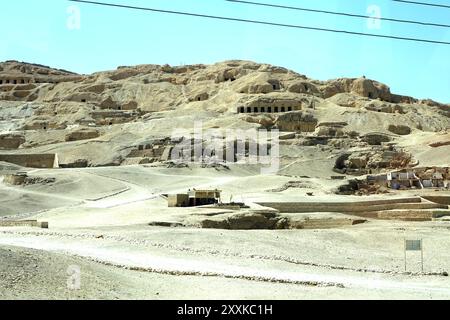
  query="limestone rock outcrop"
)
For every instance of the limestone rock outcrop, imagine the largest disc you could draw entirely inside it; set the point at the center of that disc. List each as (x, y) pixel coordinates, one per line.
(136, 104)
(399, 129)
(303, 87)
(371, 89)
(11, 141)
(297, 121)
(375, 139)
(82, 134)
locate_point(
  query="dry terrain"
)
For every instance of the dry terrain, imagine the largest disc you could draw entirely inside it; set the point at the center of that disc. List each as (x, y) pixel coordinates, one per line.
(92, 155)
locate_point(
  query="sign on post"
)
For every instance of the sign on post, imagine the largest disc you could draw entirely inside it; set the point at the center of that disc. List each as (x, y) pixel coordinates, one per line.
(414, 245)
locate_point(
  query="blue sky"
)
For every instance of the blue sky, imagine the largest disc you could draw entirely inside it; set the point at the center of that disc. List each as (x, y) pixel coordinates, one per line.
(36, 31)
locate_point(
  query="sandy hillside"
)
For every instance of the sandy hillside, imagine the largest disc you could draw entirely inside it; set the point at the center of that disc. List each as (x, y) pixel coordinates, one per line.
(312, 228)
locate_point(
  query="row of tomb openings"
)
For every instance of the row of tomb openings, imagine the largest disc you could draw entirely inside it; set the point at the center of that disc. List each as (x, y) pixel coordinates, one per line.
(22, 81)
(264, 109)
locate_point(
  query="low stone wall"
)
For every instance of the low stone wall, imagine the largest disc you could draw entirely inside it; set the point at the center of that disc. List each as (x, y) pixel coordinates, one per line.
(412, 215)
(360, 206)
(324, 223)
(23, 223)
(32, 160)
(445, 200)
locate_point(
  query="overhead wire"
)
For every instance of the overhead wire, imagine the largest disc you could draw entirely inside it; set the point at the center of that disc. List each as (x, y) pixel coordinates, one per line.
(260, 22)
(345, 14)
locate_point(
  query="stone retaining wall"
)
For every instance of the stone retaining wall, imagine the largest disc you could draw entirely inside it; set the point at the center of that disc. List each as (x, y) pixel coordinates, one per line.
(32, 160)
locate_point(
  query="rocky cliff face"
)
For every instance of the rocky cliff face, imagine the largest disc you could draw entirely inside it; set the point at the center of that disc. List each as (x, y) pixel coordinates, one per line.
(101, 118)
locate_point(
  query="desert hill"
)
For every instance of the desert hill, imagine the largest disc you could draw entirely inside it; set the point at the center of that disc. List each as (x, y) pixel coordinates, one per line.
(114, 117)
(91, 161)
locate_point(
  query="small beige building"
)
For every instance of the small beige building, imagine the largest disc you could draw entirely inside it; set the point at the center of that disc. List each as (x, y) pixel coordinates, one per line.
(194, 198)
(178, 200)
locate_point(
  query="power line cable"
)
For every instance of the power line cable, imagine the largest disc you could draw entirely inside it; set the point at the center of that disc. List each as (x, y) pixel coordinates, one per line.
(263, 22)
(341, 13)
(424, 4)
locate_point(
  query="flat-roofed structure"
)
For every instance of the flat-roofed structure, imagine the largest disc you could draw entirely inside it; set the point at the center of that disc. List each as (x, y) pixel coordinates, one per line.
(194, 198)
(203, 197)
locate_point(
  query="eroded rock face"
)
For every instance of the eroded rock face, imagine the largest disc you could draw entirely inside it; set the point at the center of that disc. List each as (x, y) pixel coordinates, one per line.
(380, 106)
(375, 139)
(82, 134)
(361, 87)
(400, 129)
(297, 121)
(371, 89)
(266, 121)
(303, 87)
(333, 87)
(254, 88)
(367, 162)
(357, 161)
(109, 103)
(11, 141)
(345, 100)
(202, 96)
(330, 129)
(283, 101)
(124, 74)
(131, 104)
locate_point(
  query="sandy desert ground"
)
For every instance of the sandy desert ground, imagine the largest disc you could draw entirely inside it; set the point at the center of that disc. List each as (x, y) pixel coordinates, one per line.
(102, 227)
